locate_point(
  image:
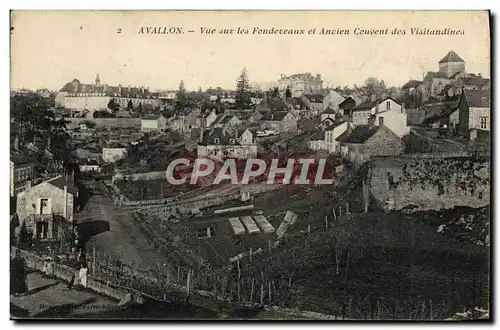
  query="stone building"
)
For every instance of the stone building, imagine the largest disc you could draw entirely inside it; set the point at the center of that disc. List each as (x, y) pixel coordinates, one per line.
(47, 207)
(301, 83)
(219, 144)
(153, 123)
(82, 98)
(114, 152)
(364, 141)
(22, 171)
(474, 112)
(394, 114)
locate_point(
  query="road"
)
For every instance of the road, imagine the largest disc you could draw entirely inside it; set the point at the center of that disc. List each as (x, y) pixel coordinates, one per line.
(124, 240)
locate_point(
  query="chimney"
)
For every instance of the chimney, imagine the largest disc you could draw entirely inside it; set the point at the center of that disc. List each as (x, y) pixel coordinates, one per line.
(380, 121)
(371, 121)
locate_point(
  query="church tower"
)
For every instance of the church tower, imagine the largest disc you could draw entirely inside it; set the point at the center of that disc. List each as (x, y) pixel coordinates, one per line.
(451, 64)
(97, 80)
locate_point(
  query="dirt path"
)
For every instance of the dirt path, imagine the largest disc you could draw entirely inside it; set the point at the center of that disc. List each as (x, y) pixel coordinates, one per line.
(124, 240)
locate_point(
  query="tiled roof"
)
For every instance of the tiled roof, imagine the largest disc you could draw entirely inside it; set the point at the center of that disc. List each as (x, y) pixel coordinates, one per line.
(314, 98)
(477, 81)
(151, 117)
(318, 136)
(347, 101)
(412, 84)
(365, 106)
(451, 57)
(360, 134)
(438, 74)
(19, 157)
(477, 98)
(335, 124)
(329, 111)
(116, 145)
(61, 181)
(75, 86)
(274, 115)
(218, 133)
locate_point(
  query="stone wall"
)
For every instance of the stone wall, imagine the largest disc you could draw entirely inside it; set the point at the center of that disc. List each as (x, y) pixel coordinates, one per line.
(106, 122)
(438, 182)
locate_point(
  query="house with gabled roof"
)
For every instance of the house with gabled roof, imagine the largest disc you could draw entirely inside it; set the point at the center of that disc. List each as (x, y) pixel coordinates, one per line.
(46, 208)
(394, 114)
(474, 111)
(153, 123)
(22, 170)
(279, 121)
(325, 139)
(220, 144)
(358, 144)
(346, 106)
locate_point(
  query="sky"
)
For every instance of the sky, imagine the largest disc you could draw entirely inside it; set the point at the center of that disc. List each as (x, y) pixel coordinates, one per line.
(51, 48)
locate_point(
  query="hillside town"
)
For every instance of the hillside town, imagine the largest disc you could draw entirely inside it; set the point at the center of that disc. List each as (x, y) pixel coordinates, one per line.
(401, 233)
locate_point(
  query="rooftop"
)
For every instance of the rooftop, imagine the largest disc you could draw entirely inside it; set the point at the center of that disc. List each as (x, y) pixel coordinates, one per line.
(477, 98)
(19, 157)
(60, 182)
(223, 139)
(451, 57)
(412, 84)
(360, 134)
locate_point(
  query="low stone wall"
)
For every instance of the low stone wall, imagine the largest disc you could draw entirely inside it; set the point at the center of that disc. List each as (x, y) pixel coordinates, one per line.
(65, 273)
(430, 183)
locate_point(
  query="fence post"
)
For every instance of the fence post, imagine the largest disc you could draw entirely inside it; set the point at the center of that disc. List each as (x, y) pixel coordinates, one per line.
(269, 284)
(93, 262)
(262, 294)
(251, 291)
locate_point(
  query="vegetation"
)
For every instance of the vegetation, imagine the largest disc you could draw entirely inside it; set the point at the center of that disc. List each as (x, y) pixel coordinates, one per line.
(113, 106)
(468, 176)
(33, 118)
(243, 91)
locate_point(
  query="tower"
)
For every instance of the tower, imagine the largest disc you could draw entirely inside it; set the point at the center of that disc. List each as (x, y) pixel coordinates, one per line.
(97, 80)
(451, 64)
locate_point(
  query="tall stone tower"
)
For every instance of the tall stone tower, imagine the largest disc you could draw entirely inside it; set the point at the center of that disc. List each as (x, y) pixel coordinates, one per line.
(451, 64)
(97, 80)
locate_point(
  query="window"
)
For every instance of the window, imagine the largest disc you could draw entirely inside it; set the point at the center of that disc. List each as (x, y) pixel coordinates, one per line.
(231, 141)
(388, 105)
(44, 206)
(484, 122)
(216, 140)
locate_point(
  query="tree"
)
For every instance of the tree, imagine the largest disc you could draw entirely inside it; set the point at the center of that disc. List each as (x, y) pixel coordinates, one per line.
(33, 118)
(113, 106)
(382, 85)
(181, 96)
(243, 90)
(372, 86)
(130, 106)
(288, 93)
